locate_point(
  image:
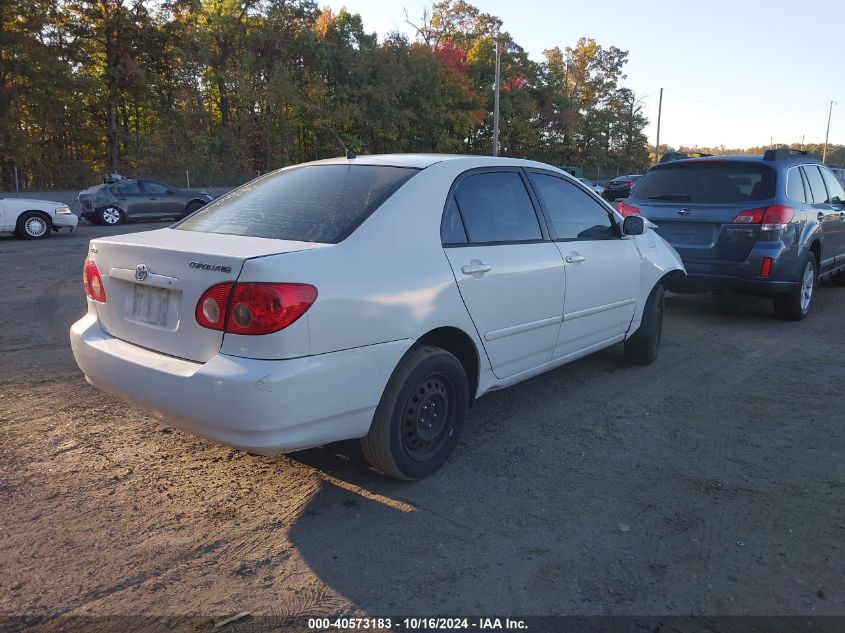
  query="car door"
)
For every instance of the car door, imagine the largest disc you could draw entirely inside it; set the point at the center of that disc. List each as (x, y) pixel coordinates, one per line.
(836, 199)
(3, 224)
(162, 199)
(129, 197)
(602, 267)
(509, 275)
(826, 214)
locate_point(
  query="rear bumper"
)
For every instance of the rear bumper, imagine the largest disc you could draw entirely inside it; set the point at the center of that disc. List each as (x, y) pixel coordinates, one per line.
(260, 406)
(697, 282)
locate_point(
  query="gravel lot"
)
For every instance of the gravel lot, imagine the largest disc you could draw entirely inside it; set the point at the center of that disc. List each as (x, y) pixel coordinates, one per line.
(712, 482)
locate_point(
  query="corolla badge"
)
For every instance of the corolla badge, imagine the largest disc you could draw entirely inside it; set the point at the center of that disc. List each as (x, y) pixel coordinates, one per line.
(141, 272)
(684, 212)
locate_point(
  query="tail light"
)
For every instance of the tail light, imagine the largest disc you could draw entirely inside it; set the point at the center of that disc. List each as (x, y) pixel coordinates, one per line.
(92, 281)
(253, 308)
(772, 218)
(626, 209)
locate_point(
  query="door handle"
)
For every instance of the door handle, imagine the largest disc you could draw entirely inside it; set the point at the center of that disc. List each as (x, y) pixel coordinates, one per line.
(842, 216)
(575, 258)
(476, 268)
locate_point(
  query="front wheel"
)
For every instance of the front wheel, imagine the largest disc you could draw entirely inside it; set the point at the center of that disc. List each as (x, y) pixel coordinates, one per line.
(193, 206)
(796, 305)
(641, 348)
(34, 226)
(420, 416)
(110, 216)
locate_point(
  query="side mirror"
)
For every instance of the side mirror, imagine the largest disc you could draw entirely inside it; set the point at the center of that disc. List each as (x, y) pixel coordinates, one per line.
(633, 225)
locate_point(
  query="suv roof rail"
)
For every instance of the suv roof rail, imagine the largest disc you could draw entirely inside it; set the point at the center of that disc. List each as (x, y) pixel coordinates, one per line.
(782, 153)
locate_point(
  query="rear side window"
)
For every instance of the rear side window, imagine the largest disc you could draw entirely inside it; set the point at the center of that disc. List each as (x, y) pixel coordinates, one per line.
(314, 203)
(126, 188)
(574, 214)
(834, 189)
(452, 231)
(712, 181)
(795, 186)
(814, 179)
(496, 207)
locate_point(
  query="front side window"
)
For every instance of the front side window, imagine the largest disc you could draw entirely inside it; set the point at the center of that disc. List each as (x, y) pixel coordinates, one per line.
(574, 214)
(834, 189)
(814, 179)
(496, 207)
(709, 181)
(795, 186)
(313, 203)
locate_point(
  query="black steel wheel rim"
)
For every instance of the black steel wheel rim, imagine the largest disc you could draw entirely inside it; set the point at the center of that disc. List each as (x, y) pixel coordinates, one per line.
(427, 417)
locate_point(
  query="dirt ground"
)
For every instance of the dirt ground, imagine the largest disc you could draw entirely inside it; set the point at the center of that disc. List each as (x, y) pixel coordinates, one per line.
(712, 482)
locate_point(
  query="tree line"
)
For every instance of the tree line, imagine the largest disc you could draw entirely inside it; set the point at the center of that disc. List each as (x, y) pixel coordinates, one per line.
(225, 89)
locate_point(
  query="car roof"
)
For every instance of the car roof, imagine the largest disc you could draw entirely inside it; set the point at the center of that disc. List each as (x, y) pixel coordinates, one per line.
(421, 161)
(796, 159)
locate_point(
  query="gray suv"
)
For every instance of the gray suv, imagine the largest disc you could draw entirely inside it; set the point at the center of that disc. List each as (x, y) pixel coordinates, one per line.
(121, 200)
(770, 225)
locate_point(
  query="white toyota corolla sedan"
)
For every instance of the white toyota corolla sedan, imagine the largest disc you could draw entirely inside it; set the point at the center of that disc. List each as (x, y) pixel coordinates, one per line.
(371, 297)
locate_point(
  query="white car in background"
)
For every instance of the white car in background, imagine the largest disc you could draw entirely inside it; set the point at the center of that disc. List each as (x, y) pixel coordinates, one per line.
(592, 185)
(34, 219)
(370, 297)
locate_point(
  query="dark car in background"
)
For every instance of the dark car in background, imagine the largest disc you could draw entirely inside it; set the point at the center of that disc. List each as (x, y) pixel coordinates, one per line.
(620, 187)
(770, 225)
(120, 200)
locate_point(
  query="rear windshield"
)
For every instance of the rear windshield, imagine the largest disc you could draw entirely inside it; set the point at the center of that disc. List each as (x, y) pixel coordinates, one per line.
(314, 203)
(716, 181)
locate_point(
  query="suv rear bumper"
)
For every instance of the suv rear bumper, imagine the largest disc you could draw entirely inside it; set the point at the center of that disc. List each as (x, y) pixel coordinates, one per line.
(699, 282)
(260, 406)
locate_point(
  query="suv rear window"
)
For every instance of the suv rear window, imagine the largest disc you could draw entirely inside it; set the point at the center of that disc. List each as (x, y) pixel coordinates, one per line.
(314, 203)
(713, 181)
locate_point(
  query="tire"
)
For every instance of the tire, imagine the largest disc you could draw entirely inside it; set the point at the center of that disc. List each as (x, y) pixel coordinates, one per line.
(642, 347)
(110, 216)
(193, 206)
(421, 415)
(796, 305)
(33, 225)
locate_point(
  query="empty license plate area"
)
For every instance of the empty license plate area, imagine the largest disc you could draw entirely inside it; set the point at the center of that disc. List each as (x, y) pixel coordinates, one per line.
(151, 305)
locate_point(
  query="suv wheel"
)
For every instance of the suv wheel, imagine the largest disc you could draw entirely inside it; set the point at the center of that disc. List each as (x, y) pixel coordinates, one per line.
(796, 305)
(420, 416)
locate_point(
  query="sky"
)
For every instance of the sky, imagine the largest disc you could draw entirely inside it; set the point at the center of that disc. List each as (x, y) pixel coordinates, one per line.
(740, 74)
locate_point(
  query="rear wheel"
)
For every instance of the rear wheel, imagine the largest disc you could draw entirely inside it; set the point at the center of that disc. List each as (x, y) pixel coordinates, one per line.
(421, 415)
(642, 347)
(33, 225)
(796, 305)
(110, 216)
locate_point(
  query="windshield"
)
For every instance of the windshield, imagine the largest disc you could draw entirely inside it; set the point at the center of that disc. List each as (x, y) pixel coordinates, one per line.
(713, 181)
(313, 203)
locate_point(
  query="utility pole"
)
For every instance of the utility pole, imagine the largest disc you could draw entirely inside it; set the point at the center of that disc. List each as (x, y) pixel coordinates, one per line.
(827, 134)
(659, 113)
(496, 99)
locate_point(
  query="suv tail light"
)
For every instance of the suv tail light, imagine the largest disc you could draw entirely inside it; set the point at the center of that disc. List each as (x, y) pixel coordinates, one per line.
(772, 218)
(626, 209)
(92, 281)
(253, 308)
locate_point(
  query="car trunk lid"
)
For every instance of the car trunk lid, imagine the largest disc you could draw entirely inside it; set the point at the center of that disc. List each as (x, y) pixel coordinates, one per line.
(153, 281)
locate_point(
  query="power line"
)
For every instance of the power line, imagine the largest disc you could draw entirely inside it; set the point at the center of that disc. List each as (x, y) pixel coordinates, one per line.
(752, 110)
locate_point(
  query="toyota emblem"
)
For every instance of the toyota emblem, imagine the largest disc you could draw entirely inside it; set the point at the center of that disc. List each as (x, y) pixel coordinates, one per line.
(685, 212)
(141, 272)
